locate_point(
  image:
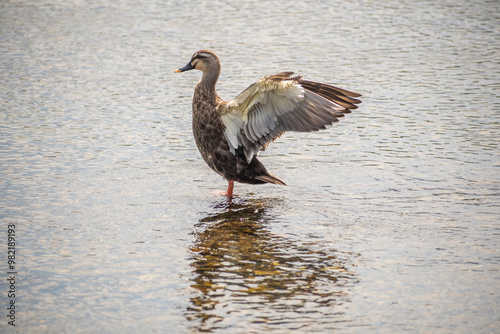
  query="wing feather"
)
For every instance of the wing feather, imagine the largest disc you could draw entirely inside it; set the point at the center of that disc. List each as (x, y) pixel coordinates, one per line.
(279, 103)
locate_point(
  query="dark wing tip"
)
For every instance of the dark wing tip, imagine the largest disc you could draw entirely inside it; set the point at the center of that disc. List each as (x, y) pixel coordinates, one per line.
(338, 95)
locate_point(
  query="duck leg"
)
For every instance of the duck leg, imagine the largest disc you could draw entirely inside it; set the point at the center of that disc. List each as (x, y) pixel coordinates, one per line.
(230, 186)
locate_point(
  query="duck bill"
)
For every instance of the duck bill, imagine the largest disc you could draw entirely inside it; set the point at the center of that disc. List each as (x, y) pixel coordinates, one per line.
(185, 68)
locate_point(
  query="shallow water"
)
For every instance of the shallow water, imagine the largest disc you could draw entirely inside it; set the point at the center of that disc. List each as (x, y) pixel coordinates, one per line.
(389, 222)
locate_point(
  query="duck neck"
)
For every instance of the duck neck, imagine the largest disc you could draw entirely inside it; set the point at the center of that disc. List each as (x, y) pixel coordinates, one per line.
(209, 79)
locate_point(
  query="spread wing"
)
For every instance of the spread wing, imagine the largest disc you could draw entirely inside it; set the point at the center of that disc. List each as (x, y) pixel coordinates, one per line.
(280, 103)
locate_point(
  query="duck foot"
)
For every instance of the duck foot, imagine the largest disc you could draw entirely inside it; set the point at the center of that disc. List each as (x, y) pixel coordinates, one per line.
(230, 186)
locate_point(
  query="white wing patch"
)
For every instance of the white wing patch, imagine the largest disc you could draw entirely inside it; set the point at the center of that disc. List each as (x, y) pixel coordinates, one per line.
(256, 111)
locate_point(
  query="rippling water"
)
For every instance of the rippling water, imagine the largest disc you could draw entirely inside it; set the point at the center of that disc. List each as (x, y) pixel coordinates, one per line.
(389, 222)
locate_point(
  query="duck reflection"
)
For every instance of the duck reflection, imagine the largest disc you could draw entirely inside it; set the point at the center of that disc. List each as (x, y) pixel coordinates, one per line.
(243, 272)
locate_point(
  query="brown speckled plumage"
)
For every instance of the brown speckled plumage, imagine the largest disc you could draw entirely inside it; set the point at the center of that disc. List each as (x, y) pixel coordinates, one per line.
(229, 134)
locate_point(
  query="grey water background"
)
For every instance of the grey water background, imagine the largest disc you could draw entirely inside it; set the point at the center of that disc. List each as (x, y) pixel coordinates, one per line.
(390, 220)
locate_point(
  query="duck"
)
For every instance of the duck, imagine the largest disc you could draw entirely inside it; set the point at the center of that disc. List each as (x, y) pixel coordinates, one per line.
(230, 134)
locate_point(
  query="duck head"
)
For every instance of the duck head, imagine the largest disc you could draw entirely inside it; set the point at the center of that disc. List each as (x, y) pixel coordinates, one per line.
(205, 61)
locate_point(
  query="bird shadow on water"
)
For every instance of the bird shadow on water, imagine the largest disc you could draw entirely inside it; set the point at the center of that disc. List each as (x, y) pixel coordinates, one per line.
(246, 275)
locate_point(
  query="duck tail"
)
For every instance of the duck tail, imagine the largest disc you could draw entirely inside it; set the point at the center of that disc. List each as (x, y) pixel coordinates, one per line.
(270, 179)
